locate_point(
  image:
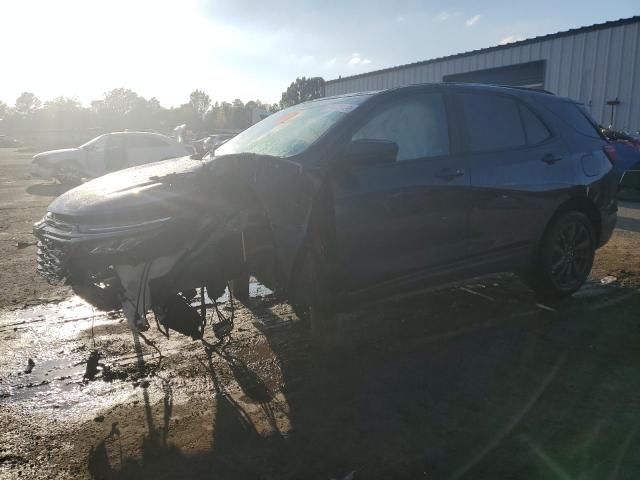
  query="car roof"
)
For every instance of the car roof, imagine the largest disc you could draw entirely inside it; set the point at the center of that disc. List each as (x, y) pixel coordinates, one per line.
(144, 134)
(515, 90)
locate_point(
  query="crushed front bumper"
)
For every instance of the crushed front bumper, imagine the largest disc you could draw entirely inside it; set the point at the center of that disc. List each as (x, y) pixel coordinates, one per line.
(63, 241)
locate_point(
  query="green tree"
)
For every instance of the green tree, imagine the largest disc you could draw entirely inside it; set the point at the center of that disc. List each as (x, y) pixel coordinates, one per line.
(64, 104)
(64, 113)
(4, 110)
(302, 90)
(200, 102)
(119, 101)
(27, 103)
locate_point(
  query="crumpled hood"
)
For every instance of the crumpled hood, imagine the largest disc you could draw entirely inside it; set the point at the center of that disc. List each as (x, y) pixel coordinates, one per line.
(137, 193)
(196, 192)
(54, 156)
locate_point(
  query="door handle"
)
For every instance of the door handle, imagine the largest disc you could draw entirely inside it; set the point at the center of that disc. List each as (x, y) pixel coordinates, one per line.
(450, 173)
(551, 158)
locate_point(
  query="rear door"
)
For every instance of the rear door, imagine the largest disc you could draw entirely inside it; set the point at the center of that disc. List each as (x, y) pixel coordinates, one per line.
(517, 169)
(146, 149)
(397, 218)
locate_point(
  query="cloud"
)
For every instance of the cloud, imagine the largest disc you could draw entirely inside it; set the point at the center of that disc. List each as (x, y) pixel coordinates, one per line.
(356, 59)
(331, 62)
(400, 19)
(472, 21)
(443, 16)
(511, 39)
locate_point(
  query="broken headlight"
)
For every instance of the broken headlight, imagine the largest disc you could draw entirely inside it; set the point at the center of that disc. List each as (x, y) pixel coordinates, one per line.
(116, 239)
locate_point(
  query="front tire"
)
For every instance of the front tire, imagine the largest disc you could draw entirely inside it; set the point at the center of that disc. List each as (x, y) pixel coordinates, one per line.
(105, 299)
(312, 302)
(68, 175)
(565, 257)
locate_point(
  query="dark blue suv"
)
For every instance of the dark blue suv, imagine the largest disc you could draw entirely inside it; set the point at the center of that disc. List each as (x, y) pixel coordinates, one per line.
(341, 199)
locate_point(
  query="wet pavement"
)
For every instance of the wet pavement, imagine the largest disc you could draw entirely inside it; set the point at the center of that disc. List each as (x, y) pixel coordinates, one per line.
(476, 380)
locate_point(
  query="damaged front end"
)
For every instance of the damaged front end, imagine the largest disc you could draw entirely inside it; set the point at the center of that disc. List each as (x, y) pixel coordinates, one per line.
(145, 239)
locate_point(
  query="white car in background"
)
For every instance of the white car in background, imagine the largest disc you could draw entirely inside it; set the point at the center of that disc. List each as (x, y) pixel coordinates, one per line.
(106, 153)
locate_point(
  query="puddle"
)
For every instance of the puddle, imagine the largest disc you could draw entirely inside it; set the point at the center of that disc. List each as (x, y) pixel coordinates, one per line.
(58, 337)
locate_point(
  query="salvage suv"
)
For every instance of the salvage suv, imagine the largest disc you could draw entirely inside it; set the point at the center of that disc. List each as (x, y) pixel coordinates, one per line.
(341, 199)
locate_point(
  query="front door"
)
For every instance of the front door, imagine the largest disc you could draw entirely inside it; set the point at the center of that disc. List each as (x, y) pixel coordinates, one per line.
(398, 218)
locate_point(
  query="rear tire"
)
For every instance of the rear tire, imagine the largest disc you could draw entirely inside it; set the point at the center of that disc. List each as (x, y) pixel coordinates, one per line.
(565, 257)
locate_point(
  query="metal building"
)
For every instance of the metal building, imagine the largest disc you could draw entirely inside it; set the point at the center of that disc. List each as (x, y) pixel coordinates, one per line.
(598, 65)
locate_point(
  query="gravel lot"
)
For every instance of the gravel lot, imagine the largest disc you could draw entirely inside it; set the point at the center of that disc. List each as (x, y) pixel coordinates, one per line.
(476, 380)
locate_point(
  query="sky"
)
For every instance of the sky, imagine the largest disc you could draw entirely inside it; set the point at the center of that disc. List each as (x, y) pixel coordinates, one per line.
(251, 49)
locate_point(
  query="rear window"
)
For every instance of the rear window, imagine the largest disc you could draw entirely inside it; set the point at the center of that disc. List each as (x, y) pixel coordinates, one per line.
(577, 116)
(493, 122)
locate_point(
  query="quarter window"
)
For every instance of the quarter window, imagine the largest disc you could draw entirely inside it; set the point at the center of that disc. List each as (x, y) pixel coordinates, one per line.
(536, 130)
(418, 125)
(576, 115)
(493, 122)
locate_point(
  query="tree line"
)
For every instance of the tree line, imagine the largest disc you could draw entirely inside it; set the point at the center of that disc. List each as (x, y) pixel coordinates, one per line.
(122, 109)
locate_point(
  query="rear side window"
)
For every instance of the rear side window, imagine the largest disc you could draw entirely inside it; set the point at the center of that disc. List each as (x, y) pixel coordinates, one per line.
(576, 115)
(534, 128)
(418, 125)
(493, 122)
(145, 142)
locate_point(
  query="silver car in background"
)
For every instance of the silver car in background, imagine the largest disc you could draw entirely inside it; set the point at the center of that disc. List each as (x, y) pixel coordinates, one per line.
(106, 153)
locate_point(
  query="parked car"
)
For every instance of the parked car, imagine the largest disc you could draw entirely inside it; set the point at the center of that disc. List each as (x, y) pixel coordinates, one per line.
(106, 153)
(211, 142)
(627, 164)
(8, 142)
(339, 200)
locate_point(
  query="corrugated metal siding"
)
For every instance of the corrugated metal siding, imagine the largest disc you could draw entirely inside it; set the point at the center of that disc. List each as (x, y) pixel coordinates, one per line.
(592, 67)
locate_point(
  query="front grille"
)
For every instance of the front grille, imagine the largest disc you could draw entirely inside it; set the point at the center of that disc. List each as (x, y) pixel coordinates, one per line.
(54, 248)
(52, 261)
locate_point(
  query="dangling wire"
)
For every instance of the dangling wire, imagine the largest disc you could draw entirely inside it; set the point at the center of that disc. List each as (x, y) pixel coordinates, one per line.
(223, 328)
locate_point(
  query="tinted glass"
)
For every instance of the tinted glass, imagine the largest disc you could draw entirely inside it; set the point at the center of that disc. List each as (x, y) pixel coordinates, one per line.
(535, 129)
(493, 122)
(292, 130)
(576, 116)
(418, 125)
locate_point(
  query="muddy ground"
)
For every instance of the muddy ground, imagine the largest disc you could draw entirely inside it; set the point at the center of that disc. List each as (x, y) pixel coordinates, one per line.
(473, 381)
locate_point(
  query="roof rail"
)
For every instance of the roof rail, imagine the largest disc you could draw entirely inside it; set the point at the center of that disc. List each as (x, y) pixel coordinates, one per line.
(541, 90)
(478, 84)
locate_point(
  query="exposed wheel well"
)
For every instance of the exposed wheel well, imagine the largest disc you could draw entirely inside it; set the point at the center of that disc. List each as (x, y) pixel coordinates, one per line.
(580, 204)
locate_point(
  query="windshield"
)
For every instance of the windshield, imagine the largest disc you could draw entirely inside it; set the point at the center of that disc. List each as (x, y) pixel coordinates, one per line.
(292, 130)
(95, 142)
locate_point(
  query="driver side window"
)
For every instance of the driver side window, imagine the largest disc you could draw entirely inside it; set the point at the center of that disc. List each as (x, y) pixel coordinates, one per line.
(417, 124)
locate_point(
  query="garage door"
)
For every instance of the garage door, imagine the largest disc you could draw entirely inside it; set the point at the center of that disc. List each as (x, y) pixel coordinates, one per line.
(530, 74)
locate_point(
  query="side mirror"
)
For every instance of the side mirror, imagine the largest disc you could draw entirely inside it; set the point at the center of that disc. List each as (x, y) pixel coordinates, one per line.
(368, 151)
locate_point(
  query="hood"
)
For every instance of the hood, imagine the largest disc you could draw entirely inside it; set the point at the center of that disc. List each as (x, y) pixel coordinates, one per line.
(189, 191)
(54, 156)
(137, 193)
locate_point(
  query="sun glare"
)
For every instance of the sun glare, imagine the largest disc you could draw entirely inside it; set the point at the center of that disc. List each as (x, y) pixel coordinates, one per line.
(84, 48)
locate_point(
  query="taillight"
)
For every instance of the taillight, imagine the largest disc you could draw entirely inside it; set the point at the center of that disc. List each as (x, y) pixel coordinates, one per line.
(611, 153)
